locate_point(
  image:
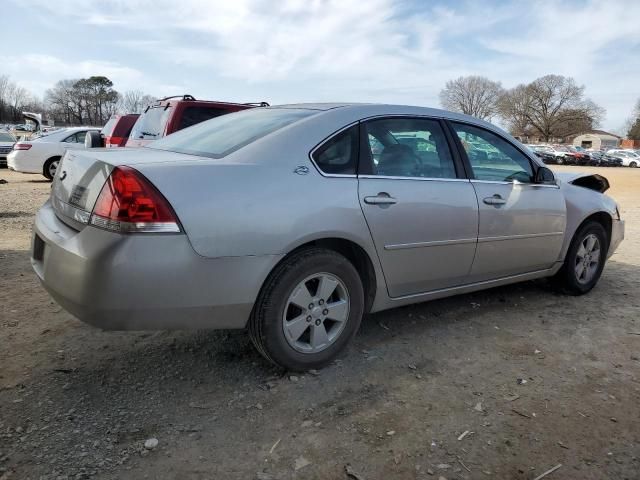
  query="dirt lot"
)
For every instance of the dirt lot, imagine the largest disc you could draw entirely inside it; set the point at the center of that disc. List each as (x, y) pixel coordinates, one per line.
(76, 402)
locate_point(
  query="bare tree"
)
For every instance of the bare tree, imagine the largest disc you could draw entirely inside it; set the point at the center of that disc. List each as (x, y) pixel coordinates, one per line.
(135, 101)
(4, 87)
(550, 106)
(633, 124)
(473, 95)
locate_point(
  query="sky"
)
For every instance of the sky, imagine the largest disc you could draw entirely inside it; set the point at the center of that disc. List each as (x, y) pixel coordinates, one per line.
(287, 51)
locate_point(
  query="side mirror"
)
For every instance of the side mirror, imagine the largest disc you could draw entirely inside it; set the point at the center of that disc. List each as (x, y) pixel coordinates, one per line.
(544, 175)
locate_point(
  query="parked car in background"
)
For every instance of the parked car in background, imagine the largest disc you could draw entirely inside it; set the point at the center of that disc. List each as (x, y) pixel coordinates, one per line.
(6, 145)
(171, 114)
(629, 157)
(610, 161)
(42, 154)
(154, 239)
(545, 153)
(580, 156)
(115, 132)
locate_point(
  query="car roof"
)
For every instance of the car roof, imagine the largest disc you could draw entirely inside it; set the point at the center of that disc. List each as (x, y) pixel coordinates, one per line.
(357, 111)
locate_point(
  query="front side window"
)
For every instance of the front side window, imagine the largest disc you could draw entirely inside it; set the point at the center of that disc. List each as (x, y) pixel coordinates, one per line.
(339, 154)
(408, 147)
(493, 158)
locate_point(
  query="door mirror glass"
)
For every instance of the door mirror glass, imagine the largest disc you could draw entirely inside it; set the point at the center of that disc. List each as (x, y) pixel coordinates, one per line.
(544, 175)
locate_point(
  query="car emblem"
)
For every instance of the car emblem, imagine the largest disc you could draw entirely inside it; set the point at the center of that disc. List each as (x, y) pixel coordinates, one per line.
(301, 170)
(63, 175)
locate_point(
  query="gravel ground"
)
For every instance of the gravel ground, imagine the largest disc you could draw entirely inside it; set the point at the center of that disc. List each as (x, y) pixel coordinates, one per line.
(504, 384)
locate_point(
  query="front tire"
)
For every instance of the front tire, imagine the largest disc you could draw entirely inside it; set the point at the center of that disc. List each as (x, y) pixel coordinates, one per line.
(308, 311)
(585, 260)
(633, 164)
(50, 168)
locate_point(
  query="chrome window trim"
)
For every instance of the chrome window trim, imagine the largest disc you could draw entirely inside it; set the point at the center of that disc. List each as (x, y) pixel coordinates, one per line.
(424, 179)
(522, 184)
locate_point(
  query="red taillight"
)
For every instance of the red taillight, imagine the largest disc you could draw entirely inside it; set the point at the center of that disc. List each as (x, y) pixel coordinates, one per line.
(22, 146)
(111, 142)
(128, 202)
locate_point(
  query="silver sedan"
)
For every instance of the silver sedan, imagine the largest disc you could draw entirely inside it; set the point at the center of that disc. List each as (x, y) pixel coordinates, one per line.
(295, 221)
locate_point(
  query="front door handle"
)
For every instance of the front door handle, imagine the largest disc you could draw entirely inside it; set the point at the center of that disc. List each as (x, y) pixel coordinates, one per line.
(380, 199)
(495, 200)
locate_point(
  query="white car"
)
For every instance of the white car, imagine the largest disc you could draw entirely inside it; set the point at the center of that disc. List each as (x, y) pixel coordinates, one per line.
(6, 144)
(42, 154)
(629, 157)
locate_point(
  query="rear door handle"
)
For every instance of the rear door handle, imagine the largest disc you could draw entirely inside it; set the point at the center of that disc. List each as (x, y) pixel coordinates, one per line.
(380, 199)
(495, 200)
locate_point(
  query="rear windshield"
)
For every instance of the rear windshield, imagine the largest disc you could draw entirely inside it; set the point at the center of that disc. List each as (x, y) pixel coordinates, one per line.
(150, 125)
(107, 130)
(223, 135)
(6, 137)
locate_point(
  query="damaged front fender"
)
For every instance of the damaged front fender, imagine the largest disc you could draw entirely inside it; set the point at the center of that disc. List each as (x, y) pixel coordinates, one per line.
(592, 181)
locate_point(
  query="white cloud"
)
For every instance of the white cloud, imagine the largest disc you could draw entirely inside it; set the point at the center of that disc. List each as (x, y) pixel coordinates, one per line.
(38, 72)
(378, 50)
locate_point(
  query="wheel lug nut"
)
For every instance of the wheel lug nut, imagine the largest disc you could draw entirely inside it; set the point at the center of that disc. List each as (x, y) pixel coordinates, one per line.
(318, 322)
(325, 312)
(310, 306)
(321, 302)
(309, 318)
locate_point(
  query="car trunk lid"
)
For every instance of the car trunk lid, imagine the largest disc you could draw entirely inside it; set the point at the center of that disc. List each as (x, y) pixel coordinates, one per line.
(82, 174)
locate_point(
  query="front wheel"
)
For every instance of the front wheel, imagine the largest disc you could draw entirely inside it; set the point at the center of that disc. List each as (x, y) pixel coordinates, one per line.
(585, 260)
(309, 309)
(50, 167)
(633, 164)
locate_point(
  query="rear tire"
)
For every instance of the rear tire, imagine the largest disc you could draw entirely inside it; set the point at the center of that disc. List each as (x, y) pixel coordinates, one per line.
(584, 261)
(50, 168)
(301, 337)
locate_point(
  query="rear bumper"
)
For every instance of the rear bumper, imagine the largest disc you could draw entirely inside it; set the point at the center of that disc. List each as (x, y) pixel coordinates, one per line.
(144, 281)
(24, 164)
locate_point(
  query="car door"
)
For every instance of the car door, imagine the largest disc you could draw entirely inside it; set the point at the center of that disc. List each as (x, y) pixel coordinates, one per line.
(421, 211)
(521, 223)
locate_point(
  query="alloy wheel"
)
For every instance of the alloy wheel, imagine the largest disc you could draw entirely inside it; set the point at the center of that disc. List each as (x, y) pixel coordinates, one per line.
(316, 313)
(53, 167)
(587, 259)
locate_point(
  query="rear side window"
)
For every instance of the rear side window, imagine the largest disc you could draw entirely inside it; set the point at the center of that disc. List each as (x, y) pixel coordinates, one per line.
(76, 138)
(152, 123)
(408, 147)
(193, 115)
(223, 135)
(339, 154)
